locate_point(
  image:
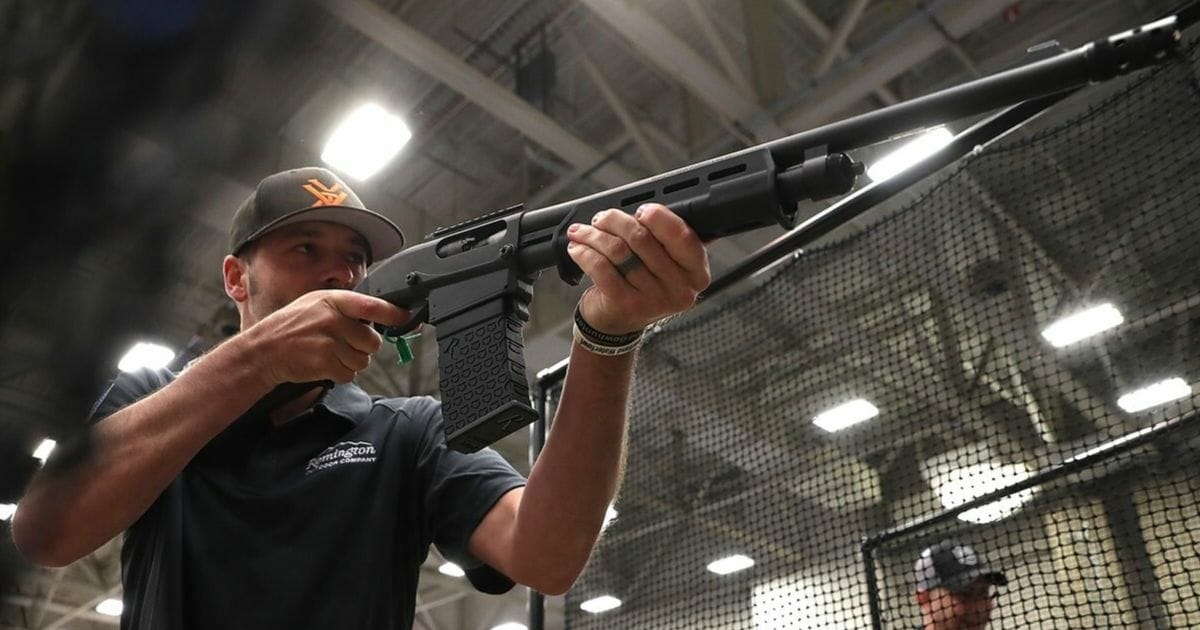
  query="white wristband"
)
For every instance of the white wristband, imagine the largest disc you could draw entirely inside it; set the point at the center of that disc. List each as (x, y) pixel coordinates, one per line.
(603, 350)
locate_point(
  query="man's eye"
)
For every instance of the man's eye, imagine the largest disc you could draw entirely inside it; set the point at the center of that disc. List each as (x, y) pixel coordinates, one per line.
(357, 259)
(304, 248)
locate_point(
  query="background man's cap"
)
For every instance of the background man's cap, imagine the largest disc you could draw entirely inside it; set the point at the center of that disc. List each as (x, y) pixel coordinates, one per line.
(955, 566)
(311, 194)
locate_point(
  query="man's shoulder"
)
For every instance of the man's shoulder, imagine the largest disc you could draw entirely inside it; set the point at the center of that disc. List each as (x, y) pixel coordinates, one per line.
(417, 419)
(409, 408)
(129, 387)
(148, 377)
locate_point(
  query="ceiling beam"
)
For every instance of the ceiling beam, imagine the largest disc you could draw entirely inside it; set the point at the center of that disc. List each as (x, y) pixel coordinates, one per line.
(623, 114)
(719, 45)
(760, 24)
(40, 611)
(90, 615)
(818, 27)
(921, 40)
(837, 40)
(682, 63)
(422, 611)
(84, 608)
(554, 191)
(423, 606)
(414, 47)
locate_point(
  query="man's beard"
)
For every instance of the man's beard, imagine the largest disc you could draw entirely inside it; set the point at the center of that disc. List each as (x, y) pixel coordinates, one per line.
(974, 622)
(263, 302)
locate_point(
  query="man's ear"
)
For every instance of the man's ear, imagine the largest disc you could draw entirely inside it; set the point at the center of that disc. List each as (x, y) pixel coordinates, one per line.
(922, 597)
(234, 271)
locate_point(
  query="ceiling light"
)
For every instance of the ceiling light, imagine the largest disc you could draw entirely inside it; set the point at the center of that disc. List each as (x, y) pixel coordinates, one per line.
(146, 355)
(111, 607)
(451, 569)
(910, 153)
(512, 625)
(971, 482)
(600, 604)
(1154, 395)
(365, 141)
(846, 415)
(730, 564)
(7, 510)
(1082, 325)
(44, 449)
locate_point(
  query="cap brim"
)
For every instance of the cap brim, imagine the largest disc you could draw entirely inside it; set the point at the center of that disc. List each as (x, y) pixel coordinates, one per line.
(963, 580)
(383, 237)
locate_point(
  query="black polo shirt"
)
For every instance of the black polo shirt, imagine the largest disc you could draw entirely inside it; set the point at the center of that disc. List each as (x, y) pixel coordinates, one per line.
(322, 522)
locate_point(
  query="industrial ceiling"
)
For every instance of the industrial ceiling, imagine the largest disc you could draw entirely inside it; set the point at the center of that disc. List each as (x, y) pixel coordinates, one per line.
(131, 131)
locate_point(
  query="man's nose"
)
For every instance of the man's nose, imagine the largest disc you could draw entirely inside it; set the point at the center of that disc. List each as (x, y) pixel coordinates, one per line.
(341, 276)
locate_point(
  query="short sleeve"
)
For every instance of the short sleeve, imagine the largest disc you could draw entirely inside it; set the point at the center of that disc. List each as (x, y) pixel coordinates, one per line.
(128, 388)
(460, 489)
(151, 546)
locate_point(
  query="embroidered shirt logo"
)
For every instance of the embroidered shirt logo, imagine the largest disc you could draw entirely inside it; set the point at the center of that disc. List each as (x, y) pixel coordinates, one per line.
(341, 453)
(326, 196)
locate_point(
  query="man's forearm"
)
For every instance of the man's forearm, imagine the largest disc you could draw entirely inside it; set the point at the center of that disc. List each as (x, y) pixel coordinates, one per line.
(579, 471)
(133, 456)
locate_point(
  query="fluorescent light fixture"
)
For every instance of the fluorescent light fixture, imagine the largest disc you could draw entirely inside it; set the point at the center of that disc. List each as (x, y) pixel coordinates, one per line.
(366, 140)
(111, 607)
(610, 515)
(1154, 395)
(512, 625)
(971, 482)
(1081, 325)
(909, 153)
(44, 449)
(730, 564)
(846, 415)
(7, 510)
(145, 355)
(600, 604)
(451, 569)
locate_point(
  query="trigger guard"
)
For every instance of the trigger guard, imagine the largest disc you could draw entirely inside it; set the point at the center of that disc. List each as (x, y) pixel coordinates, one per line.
(420, 316)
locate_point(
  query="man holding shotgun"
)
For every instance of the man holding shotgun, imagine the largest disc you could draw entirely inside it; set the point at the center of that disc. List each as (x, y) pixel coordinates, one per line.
(319, 513)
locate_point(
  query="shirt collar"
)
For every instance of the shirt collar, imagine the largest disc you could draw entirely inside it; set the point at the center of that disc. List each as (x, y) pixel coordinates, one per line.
(347, 401)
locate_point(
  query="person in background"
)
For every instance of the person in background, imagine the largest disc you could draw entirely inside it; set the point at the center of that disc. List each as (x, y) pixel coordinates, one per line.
(955, 587)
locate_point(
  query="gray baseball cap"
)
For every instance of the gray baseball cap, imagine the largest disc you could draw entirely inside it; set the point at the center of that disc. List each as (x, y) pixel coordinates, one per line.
(311, 194)
(953, 565)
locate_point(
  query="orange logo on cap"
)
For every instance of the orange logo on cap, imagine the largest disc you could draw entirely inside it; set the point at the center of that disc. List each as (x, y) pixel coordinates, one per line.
(325, 196)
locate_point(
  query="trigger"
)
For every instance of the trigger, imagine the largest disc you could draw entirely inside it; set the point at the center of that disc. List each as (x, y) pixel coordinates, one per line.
(419, 316)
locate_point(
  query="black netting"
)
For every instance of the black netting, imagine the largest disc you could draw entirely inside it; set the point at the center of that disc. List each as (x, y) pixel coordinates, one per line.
(935, 316)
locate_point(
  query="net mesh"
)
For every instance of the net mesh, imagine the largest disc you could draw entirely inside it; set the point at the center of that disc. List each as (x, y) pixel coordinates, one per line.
(938, 317)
